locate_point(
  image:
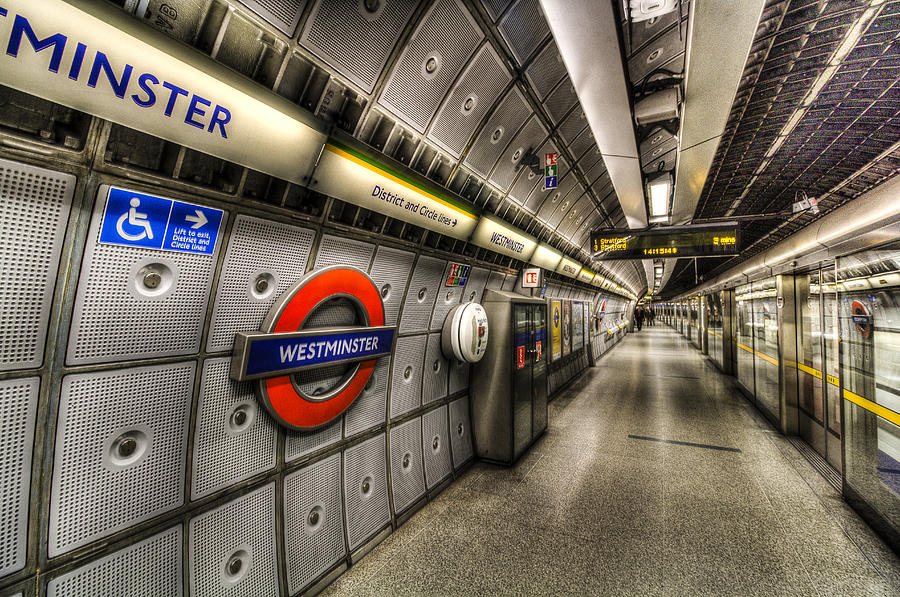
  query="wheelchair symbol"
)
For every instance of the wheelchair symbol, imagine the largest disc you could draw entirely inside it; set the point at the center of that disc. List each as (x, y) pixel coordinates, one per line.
(134, 219)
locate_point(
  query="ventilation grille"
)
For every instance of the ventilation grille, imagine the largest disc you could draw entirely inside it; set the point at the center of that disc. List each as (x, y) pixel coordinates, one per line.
(232, 548)
(300, 443)
(447, 298)
(116, 317)
(435, 371)
(561, 100)
(150, 567)
(524, 28)
(34, 205)
(478, 88)
(436, 445)
(420, 298)
(529, 138)
(459, 376)
(240, 306)
(407, 470)
(283, 14)
(353, 42)
(343, 251)
(474, 288)
(460, 433)
(313, 525)
(546, 70)
(19, 399)
(365, 485)
(120, 446)
(390, 271)
(496, 135)
(406, 378)
(234, 438)
(370, 408)
(830, 473)
(444, 39)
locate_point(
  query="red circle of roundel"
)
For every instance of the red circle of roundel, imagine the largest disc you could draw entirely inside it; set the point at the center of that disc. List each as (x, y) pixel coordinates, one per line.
(858, 310)
(278, 394)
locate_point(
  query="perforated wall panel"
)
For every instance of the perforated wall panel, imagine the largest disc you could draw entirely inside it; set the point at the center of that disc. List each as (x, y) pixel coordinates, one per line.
(561, 100)
(474, 286)
(667, 49)
(406, 378)
(366, 490)
(370, 409)
(436, 445)
(390, 271)
(232, 548)
(497, 134)
(566, 204)
(335, 250)
(550, 201)
(300, 443)
(407, 468)
(423, 288)
(525, 182)
(234, 437)
(546, 70)
(447, 298)
(354, 41)
(18, 398)
(529, 138)
(524, 28)
(117, 317)
(495, 280)
(431, 60)
(459, 376)
(313, 522)
(121, 440)
(283, 14)
(509, 282)
(149, 567)
(471, 97)
(435, 371)
(495, 7)
(460, 433)
(240, 304)
(34, 206)
(583, 143)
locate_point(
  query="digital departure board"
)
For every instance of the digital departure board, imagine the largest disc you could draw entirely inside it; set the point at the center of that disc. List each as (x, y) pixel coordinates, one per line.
(667, 243)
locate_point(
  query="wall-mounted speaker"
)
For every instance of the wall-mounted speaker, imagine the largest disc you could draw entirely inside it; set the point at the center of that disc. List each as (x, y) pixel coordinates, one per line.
(231, 549)
(436, 446)
(313, 522)
(460, 432)
(121, 440)
(406, 377)
(407, 468)
(365, 489)
(234, 437)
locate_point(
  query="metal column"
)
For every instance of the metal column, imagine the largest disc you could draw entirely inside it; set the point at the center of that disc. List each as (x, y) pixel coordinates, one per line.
(785, 301)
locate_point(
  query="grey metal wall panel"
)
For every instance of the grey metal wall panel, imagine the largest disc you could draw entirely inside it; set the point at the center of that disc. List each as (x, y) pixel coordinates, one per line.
(561, 100)
(232, 549)
(34, 207)
(407, 467)
(566, 204)
(406, 378)
(150, 567)
(19, 398)
(524, 28)
(240, 304)
(575, 216)
(420, 298)
(234, 437)
(117, 317)
(497, 134)
(370, 408)
(572, 128)
(460, 432)
(550, 201)
(436, 444)
(495, 280)
(472, 96)
(282, 14)
(459, 376)
(474, 288)
(313, 522)
(445, 38)
(354, 41)
(300, 443)
(546, 70)
(434, 371)
(121, 440)
(390, 271)
(509, 282)
(339, 250)
(528, 138)
(495, 7)
(524, 184)
(366, 490)
(447, 298)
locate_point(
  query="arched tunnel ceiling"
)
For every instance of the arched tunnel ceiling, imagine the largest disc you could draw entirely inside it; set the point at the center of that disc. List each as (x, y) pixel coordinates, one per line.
(460, 90)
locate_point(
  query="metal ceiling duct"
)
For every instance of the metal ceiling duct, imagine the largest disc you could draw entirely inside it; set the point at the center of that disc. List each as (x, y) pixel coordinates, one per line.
(586, 33)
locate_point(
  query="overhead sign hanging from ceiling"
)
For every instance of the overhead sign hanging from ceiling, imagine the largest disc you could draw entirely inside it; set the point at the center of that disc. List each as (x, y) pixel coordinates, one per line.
(667, 243)
(93, 57)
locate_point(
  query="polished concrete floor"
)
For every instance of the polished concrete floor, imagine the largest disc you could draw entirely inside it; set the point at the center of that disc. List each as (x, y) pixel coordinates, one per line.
(592, 511)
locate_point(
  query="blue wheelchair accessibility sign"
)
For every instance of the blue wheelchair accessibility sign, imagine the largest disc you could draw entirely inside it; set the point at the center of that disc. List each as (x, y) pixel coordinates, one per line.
(136, 219)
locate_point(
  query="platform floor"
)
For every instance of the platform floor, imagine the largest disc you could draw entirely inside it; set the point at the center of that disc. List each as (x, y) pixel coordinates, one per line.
(592, 511)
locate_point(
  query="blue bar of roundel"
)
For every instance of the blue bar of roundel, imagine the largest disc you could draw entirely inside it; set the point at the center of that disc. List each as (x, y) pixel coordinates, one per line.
(265, 355)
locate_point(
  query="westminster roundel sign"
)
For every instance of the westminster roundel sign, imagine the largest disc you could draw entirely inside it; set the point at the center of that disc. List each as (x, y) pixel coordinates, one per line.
(316, 349)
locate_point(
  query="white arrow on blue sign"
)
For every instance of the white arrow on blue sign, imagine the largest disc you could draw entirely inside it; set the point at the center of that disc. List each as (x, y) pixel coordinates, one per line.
(136, 219)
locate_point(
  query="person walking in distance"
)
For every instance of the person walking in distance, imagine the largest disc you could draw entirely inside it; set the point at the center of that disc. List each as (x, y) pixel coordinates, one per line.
(650, 315)
(639, 317)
